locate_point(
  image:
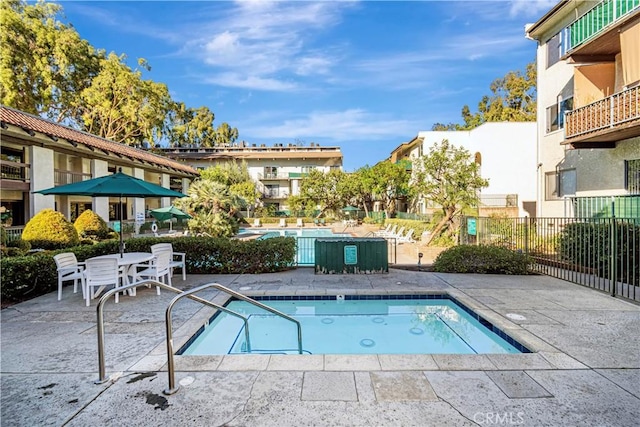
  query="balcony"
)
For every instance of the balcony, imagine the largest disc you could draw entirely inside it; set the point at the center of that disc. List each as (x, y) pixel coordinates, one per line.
(64, 177)
(602, 123)
(14, 176)
(273, 176)
(275, 194)
(590, 27)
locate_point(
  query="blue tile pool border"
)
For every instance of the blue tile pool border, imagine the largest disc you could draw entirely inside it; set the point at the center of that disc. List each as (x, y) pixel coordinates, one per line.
(484, 322)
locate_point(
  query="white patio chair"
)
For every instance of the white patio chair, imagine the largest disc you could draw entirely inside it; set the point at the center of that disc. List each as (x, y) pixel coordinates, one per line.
(69, 269)
(299, 222)
(283, 222)
(178, 259)
(385, 230)
(385, 233)
(256, 222)
(398, 234)
(407, 238)
(100, 273)
(158, 269)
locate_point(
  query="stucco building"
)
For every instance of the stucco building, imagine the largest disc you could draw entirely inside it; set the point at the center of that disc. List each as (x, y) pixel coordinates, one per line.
(278, 169)
(38, 154)
(506, 152)
(588, 61)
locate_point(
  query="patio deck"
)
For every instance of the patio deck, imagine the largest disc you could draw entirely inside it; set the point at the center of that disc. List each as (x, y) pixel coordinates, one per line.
(585, 369)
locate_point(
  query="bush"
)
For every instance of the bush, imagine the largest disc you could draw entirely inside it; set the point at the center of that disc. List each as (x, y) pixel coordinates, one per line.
(49, 229)
(3, 236)
(588, 244)
(482, 259)
(21, 246)
(90, 224)
(29, 276)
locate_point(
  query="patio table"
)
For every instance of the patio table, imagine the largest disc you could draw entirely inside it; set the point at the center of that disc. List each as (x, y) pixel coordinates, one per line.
(127, 261)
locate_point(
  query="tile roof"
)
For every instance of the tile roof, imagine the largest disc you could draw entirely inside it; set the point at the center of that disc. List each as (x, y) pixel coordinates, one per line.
(30, 122)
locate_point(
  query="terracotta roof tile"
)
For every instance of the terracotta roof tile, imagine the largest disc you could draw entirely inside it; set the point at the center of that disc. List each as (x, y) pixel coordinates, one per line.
(38, 124)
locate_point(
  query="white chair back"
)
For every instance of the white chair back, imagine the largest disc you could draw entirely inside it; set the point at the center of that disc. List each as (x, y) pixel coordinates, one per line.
(102, 270)
(158, 247)
(65, 260)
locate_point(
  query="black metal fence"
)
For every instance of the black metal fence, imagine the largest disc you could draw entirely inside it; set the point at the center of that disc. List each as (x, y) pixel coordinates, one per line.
(601, 253)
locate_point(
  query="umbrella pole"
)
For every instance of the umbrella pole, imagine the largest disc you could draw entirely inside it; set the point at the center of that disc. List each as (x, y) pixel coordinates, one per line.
(121, 230)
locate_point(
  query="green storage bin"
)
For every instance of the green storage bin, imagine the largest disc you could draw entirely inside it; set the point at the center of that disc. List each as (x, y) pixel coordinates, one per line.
(351, 255)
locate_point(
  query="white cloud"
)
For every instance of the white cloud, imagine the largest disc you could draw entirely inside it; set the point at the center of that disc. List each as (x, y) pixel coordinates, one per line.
(243, 81)
(339, 126)
(530, 8)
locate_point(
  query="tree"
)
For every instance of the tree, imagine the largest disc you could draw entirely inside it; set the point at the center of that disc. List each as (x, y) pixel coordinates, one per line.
(191, 126)
(44, 64)
(123, 107)
(449, 177)
(513, 99)
(388, 181)
(225, 134)
(322, 190)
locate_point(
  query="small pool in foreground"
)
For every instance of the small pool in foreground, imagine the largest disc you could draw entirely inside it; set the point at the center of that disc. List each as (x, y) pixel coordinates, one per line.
(371, 324)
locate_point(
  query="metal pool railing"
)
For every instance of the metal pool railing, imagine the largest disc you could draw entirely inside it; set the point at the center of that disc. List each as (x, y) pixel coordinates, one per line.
(600, 253)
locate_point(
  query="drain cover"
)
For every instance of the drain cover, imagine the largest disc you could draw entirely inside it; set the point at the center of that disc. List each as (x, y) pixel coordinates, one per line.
(416, 331)
(367, 342)
(327, 320)
(514, 316)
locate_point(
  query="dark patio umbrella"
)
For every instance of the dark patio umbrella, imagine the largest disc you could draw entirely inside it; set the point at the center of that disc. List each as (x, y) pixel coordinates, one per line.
(169, 212)
(116, 185)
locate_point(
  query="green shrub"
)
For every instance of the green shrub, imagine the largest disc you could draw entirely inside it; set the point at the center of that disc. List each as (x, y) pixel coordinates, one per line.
(21, 245)
(588, 244)
(90, 224)
(481, 259)
(49, 229)
(3, 236)
(25, 277)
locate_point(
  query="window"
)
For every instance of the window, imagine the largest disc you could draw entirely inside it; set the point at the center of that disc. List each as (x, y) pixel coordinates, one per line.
(632, 176)
(270, 172)
(307, 169)
(551, 186)
(555, 113)
(554, 46)
(567, 182)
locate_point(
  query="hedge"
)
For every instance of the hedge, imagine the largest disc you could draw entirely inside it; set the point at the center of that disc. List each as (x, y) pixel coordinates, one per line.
(29, 276)
(482, 259)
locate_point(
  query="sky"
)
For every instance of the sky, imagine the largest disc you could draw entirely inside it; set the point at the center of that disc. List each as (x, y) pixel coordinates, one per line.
(362, 75)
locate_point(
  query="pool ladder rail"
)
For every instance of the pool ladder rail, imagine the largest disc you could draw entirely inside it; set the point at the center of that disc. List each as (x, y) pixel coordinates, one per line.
(169, 329)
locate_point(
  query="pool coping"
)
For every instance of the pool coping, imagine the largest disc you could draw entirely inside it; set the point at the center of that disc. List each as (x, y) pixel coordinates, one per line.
(543, 356)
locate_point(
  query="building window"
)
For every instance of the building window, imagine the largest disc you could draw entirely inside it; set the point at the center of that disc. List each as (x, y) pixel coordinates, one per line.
(554, 47)
(567, 182)
(307, 169)
(551, 186)
(632, 176)
(555, 113)
(270, 171)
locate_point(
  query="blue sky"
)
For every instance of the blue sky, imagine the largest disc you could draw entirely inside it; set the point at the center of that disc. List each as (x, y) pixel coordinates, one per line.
(362, 75)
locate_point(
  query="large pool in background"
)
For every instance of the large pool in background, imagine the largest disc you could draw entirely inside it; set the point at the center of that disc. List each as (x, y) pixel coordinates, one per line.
(305, 239)
(389, 324)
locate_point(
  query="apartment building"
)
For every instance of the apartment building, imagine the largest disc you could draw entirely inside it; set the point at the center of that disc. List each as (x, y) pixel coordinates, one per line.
(506, 153)
(588, 147)
(36, 154)
(278, 169)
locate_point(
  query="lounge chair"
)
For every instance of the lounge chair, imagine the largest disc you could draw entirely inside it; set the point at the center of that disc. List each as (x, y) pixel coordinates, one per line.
(382, 232)
(256, 222)
(299, 222)
(283, 222)
(389, 233)
(407, 238)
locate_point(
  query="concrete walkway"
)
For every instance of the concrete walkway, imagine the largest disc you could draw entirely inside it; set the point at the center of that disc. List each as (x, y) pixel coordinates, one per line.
(585, 369)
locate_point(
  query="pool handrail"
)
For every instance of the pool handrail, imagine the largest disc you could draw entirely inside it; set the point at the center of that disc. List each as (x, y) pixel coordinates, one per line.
(264, 307)
(102, 377)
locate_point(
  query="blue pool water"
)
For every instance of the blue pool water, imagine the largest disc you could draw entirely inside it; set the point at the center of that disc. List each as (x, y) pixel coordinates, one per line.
(331, 326)
(305, 240)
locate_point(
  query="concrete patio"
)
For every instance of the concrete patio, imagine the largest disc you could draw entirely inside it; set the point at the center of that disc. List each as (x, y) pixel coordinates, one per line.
(585, 368)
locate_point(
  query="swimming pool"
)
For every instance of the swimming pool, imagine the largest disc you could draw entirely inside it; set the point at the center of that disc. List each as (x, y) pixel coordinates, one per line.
(371, 324)
(305, 239)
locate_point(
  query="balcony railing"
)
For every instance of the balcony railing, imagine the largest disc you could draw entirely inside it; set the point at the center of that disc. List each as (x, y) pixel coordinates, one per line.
(273, 176)
(276, 194)
(615, 111)
(63, 177)
(595, 21)
(14, 171)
